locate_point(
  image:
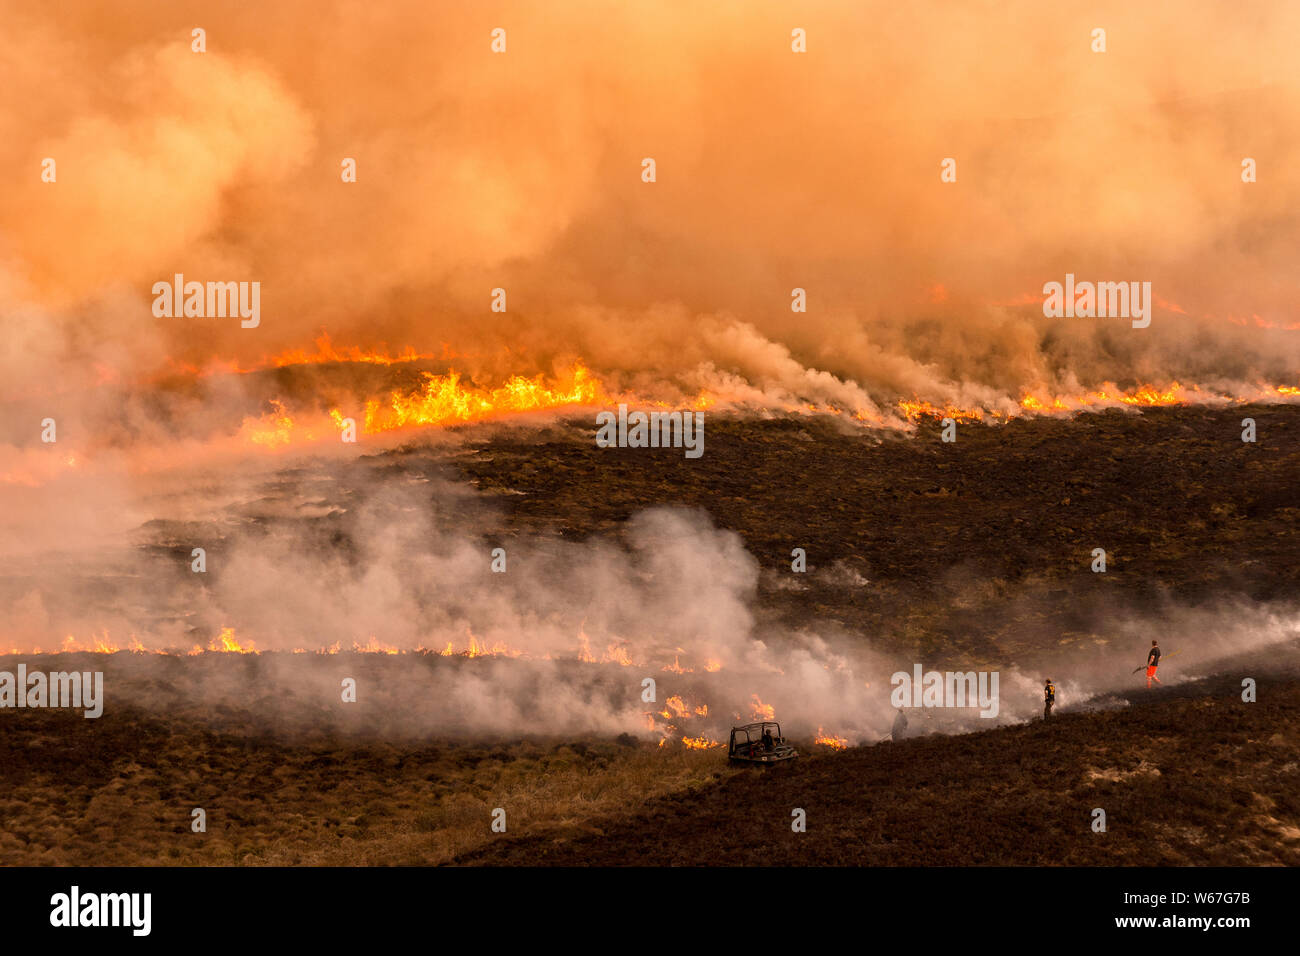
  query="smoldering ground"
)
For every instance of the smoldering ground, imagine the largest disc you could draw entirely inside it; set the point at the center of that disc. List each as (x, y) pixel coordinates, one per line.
(393, 551)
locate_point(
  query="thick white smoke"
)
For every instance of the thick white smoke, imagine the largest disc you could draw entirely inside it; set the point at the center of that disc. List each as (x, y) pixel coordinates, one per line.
(385, 553)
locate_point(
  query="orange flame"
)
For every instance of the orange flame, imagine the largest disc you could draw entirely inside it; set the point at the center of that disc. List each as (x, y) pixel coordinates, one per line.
(914, 410)
(675, 667)
(100, 644)
(830, 740)
(373, 646)
(326, 353)
(225, 643)
(444, 400)
(477, 648)
(272, 429)
(449, 399)
(1109, 395)
(677, 706)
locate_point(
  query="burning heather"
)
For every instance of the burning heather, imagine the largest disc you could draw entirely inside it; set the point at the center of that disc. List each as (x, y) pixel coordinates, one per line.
(345, 407)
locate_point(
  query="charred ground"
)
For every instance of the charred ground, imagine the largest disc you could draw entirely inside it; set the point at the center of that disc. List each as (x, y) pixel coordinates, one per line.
(1188, 776)
(974, 551)
(923, 544)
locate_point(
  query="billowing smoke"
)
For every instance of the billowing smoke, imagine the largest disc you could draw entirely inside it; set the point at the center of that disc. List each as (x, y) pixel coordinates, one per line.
(386, 554)
(522, 171)
(775, 170)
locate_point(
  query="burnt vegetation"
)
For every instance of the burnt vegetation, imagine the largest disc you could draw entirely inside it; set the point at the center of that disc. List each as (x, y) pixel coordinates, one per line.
(922, 545)
(1189, 777)
(975, 550)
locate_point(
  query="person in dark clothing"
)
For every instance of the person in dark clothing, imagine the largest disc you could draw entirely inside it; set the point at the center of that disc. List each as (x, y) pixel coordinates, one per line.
(900, 726)
(768, 742)
(1049, 698)
(1153, 661)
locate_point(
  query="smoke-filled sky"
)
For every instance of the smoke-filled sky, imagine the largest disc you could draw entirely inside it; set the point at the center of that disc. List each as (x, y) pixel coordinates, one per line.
(775, 170)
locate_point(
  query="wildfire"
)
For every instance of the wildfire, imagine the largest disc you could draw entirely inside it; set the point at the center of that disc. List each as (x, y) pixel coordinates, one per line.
(1147, 396)
(271, 430)
(225, 643)
(326, 353)
(1108, 396)
(699, 743)
(829, 740)
(451, 399)
(442, 400)
(676, 668)
(100, 645)
(711, 665)
(476, 648)
(97, 644)
(445, 400)
(1150, 395)
(373, 646)
(616, 652)
(676, 707)
(915, 410)
(761, 711)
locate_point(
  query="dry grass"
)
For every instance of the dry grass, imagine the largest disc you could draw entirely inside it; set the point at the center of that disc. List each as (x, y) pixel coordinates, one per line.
(121, 794)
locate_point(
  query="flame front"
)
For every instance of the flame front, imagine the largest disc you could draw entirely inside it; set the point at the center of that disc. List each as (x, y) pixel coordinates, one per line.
(326, 353)
(677, 709)
(225, 643)
(445, 400)
(451, 399)
(1107, 396)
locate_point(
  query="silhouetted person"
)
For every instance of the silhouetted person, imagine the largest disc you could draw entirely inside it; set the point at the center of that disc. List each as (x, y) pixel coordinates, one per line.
(768, 742)
(1049, 698)
(900, 726)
